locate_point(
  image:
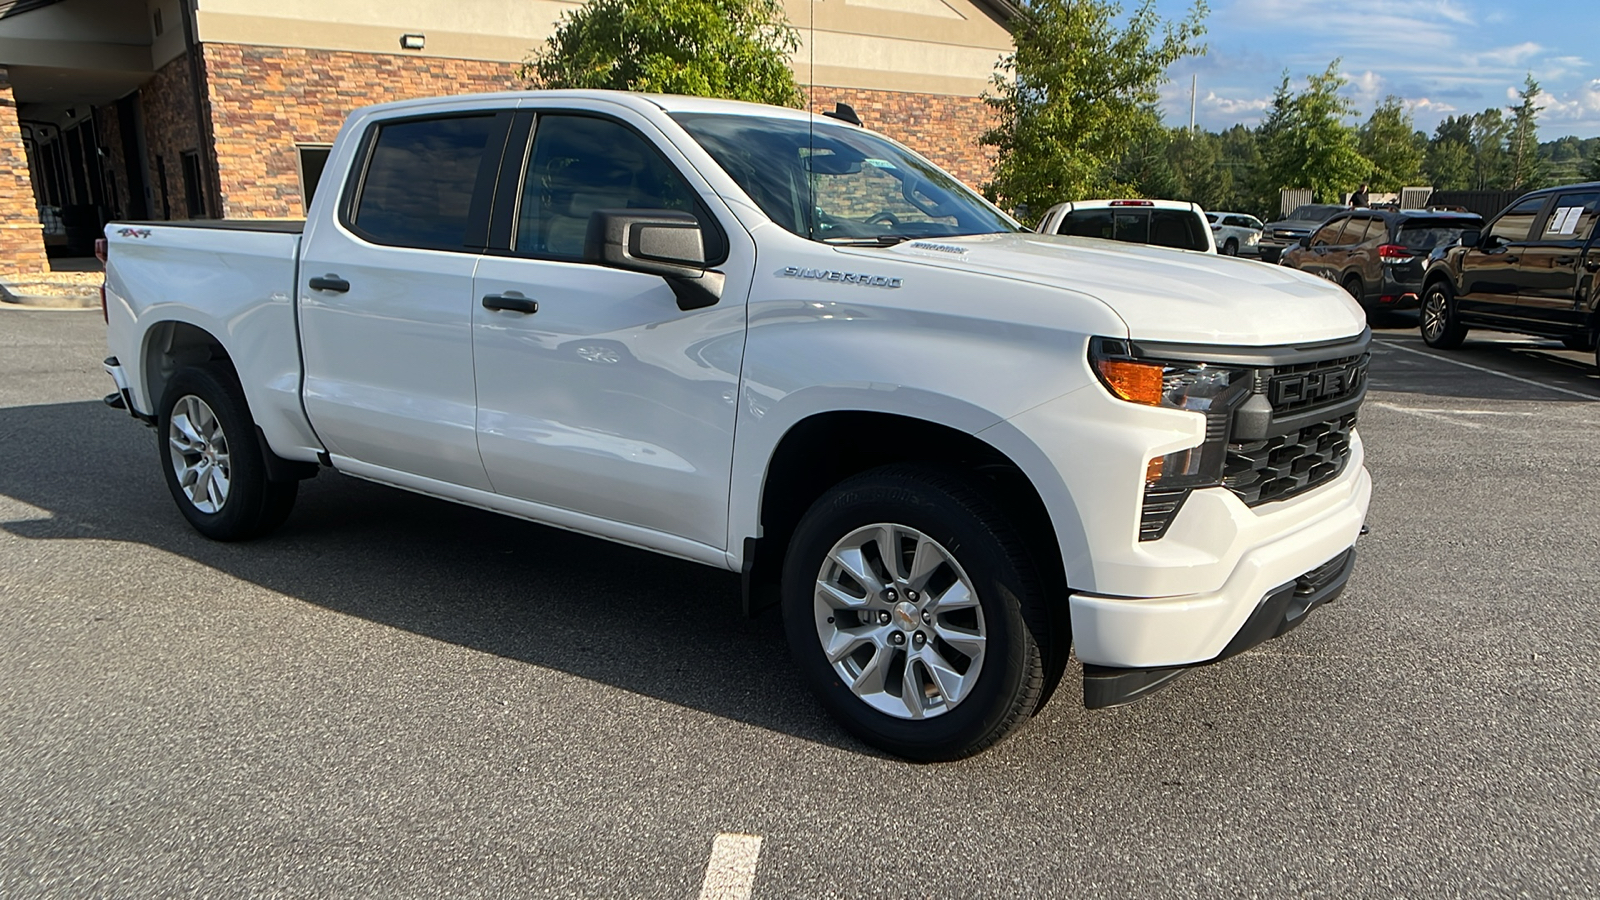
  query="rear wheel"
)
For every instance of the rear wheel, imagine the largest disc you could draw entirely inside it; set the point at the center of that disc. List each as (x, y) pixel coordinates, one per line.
(914, 611)
(1230, 247)
(214, 465)
(1440, 327)
(1355, 287)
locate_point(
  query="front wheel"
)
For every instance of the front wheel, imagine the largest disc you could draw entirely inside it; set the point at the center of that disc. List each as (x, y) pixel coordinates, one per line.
(214, 465)
(1582, 343)
(1440, 327)
(916, 614)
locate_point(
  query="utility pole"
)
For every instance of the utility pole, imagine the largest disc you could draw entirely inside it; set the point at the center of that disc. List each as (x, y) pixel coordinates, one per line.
(1194, 84)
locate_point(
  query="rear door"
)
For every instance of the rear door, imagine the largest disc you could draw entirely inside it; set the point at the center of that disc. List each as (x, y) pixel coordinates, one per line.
(386, 298)
(1551, 263)
(1489, 271)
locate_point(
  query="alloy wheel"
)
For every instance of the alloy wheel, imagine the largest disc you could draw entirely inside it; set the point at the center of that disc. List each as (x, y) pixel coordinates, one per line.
(199, 453)
(899, 621)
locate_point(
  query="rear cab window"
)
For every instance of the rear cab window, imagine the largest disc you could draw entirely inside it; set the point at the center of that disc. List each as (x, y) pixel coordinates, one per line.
(1176, 228)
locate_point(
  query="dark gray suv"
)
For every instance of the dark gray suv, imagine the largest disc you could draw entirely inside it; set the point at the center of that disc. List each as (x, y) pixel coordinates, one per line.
(1380, 256)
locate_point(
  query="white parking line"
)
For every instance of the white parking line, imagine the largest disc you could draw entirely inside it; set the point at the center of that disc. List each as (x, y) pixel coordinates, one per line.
(1465, 365)
(731, 871)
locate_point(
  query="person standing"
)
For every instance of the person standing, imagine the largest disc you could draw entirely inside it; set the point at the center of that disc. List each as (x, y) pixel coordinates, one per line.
(1358, 200)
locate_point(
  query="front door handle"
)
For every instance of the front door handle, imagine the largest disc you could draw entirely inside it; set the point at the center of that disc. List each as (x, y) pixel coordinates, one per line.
(330, 282)
(511, 302)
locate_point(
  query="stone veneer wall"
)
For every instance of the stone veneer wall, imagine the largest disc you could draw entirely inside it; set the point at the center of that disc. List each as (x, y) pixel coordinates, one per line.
(941, 127)
(265, 100)
(108, 129)
(171, 128)
(21, 238)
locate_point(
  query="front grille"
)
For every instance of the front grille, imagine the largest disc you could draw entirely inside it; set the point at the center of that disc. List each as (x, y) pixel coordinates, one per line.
(1298, 388)
(1284, 465)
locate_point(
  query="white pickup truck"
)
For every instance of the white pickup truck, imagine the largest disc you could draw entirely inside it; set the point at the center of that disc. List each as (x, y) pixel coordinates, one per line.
(952, 449)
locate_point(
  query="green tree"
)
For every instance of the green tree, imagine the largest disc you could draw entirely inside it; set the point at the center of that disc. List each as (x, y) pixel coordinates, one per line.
(1390, 140)
(1593, 171)
(737, 49)
(1196, 163)
(1075, 95)
(1489, 132)
(1525, 170)
(1306, 142)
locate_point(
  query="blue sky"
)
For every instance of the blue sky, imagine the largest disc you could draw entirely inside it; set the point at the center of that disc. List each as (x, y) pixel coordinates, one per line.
(1442, 57)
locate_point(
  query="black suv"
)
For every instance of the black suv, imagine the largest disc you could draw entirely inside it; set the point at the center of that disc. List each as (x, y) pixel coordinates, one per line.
(1531, 270)
(1380, 256)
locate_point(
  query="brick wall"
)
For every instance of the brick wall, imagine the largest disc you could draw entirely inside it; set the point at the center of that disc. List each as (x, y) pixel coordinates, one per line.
(943, 128)
(21, 240)
(108, 126)
(264, 100)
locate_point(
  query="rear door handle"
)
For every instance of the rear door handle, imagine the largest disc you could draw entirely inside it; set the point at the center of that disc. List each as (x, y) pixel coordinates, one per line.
(1566, 260)
(511, 302)
(330, 282)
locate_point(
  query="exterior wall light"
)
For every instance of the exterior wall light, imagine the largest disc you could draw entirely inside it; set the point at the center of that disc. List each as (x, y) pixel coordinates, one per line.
(412, 41)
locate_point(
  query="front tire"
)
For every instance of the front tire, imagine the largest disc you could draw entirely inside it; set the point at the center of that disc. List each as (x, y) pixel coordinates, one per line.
(214, 465)
(1582, 343)
(1440, 327)
(916, 614)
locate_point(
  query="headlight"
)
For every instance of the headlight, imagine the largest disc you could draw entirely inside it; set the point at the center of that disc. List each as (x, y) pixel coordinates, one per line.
(1209, 390)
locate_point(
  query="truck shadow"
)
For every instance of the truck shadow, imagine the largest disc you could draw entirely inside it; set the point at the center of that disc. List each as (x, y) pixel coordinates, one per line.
(1403, 364)
(659, 627)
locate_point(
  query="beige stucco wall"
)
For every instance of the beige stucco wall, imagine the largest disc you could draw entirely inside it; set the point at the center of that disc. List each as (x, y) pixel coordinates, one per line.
(930, 46)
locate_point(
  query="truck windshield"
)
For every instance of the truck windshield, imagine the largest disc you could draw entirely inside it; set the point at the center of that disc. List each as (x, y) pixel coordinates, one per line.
(840, 184)
(1315, 213)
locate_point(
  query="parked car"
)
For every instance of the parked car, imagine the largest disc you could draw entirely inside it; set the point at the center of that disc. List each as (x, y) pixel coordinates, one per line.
(1531, 270)
(1235, 234)
(1163, 223)
(952, 451)
(1279, 236)
(1380, 256)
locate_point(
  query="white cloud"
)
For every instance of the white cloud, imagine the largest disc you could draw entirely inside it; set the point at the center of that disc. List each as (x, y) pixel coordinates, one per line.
(1513, 55)
(1429, 107)
(1230, 106)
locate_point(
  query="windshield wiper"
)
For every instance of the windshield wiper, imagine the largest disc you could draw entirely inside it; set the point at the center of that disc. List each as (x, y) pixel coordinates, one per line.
(882, 240)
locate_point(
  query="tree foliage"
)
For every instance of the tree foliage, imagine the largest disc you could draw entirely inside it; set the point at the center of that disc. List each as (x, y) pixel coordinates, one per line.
(736, 49)
(1076, 95)
(1391, 141)
(1522, 156)
(1306, 141)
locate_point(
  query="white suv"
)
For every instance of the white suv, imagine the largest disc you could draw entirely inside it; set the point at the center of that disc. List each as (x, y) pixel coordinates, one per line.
(1236, 234)
(1162, 223)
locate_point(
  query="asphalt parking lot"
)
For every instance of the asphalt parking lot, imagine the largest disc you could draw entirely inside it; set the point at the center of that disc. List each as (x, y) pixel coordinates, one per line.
(397, 697)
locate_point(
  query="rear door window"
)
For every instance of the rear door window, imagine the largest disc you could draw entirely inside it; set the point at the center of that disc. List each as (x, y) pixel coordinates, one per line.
(1572, 219)
(422, 176)
(1377, 231)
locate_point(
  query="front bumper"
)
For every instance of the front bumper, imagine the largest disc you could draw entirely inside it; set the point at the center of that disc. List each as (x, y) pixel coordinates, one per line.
(1281, 610)
(1189, 629)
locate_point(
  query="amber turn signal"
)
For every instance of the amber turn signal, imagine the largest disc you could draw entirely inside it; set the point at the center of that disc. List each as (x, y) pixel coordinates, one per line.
(1136, 382)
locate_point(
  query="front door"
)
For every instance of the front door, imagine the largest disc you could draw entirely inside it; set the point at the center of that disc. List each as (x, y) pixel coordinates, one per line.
(1489, 271)
(386, 301)
(607, 400)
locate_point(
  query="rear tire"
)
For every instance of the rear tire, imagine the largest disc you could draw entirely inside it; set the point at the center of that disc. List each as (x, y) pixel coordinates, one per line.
(214, 465)
(1356, 288)
(1230, 247)
(1440, 327)
(934, 650)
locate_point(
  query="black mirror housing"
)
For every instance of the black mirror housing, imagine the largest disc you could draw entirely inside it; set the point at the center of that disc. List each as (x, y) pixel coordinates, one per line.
(661, 242)
(1304, 242)
(1471, 238)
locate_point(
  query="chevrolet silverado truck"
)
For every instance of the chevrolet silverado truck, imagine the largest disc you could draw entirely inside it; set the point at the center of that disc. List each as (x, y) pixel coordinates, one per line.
(949, 449)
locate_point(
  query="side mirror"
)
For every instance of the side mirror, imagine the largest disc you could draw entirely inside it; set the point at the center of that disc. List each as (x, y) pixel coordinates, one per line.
(655, 242)
(1471, 238)
(1304, 242)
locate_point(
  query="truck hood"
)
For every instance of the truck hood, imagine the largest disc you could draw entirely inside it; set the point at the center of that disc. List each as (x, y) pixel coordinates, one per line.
(1162, 294)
